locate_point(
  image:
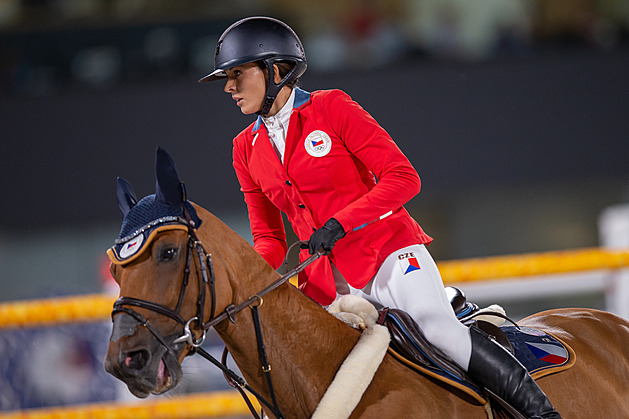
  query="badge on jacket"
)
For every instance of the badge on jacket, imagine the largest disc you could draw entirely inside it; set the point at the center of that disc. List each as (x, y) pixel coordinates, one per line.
(318, 143)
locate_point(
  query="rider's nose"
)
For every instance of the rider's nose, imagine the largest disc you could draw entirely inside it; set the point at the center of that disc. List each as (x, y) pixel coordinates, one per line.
(229, 86)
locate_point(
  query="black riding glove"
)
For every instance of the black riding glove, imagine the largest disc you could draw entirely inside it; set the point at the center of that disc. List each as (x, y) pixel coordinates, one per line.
(325, 237)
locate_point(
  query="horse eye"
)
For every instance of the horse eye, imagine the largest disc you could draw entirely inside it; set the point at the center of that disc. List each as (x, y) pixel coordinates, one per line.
(169, 253)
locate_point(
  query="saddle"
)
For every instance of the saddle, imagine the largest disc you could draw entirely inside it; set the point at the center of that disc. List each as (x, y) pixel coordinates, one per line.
(408, 340)
(539, 352)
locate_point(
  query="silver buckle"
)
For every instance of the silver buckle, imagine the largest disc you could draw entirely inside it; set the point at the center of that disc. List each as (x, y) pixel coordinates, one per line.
(187, 335)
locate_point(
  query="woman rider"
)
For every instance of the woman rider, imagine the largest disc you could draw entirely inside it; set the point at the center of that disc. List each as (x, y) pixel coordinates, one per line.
(338, 176)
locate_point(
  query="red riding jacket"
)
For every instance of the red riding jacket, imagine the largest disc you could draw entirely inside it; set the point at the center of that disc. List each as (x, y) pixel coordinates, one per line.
(338, 163)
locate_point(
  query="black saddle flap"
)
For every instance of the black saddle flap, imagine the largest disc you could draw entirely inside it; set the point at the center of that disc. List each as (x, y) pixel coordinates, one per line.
(408, 340)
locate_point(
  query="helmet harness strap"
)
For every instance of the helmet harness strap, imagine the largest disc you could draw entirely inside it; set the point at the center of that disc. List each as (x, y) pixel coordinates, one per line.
(273, 89)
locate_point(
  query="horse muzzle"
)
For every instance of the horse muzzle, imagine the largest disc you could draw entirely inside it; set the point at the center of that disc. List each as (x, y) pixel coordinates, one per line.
(140, 360)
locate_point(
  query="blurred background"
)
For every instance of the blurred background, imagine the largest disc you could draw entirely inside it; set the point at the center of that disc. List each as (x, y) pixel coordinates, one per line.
(514, 113)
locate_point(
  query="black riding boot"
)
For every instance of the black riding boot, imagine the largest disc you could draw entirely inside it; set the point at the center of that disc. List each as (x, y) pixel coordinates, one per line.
(496, 369)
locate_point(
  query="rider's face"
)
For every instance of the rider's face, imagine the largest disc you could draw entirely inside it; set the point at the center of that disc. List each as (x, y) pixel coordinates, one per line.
(247, 85)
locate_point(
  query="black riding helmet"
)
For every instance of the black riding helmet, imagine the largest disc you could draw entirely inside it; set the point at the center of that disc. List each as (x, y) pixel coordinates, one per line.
(260, 39)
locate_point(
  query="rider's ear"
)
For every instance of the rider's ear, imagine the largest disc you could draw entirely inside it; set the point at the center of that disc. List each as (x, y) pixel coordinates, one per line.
(126, 197)
(168, 189)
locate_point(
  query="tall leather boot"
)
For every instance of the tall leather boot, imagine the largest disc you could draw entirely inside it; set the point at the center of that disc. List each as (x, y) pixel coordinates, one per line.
(498, 371)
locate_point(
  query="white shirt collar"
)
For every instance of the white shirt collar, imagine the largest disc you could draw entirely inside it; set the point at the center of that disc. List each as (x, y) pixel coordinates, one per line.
(277, 126)
(283, 116)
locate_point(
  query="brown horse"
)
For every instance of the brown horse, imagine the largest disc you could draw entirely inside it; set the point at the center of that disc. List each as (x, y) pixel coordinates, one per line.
(304, 344)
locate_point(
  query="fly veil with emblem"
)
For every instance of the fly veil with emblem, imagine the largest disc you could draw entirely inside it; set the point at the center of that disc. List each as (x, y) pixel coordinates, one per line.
(143, 220)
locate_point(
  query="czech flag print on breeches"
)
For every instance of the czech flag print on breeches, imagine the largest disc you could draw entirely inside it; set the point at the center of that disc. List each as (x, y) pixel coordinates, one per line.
(409, 280)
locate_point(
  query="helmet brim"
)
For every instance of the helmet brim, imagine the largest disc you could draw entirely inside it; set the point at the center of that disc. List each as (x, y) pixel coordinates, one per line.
(218, 74)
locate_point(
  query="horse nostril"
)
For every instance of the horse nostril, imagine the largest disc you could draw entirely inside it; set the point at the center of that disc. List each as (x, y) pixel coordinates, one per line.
(137, 360)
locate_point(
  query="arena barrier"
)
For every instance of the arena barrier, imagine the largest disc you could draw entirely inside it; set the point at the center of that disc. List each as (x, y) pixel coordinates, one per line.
(97, 307)
(535, 276)
(199, 405)
(546, 263)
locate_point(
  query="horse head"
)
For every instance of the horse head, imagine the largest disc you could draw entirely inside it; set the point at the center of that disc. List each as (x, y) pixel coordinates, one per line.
(166, 283)
(181, 272)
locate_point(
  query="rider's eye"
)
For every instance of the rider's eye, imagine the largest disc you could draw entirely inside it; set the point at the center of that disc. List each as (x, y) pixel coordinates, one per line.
(169, 253)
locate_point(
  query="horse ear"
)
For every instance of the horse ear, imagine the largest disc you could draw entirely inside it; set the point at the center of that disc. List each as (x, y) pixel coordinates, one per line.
(126, 196)
(168, 189)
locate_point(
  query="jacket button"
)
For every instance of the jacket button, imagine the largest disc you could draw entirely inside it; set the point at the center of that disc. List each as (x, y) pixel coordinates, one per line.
(288, 183)
(301, 206)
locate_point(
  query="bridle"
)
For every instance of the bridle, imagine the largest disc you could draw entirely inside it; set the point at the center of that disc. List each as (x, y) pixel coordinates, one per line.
(207, 279)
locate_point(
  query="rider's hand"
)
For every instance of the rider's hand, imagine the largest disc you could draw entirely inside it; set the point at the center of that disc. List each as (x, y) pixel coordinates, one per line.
(325, 237)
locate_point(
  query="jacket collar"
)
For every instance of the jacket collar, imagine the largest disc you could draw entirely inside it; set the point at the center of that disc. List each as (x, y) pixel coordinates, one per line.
(301, 97)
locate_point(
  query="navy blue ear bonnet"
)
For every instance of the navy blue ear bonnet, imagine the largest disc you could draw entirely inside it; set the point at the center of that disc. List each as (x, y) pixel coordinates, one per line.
(149, 209)
(164, 210)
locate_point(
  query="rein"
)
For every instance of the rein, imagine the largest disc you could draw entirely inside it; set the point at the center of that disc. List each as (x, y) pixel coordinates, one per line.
(207, 279)
(231, 310)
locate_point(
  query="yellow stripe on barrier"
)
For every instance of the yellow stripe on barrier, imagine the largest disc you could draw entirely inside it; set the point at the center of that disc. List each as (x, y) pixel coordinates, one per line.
(499, 267)
(54, 311)
(89, 308)
(200, 405)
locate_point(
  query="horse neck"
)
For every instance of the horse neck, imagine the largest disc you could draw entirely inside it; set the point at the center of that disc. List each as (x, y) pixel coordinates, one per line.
(304, 344)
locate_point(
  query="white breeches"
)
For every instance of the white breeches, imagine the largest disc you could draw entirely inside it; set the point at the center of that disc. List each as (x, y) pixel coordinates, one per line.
(409, 280)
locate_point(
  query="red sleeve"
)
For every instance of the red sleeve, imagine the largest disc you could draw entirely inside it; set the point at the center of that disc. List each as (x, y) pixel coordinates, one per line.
(267, 227)
(398, 181)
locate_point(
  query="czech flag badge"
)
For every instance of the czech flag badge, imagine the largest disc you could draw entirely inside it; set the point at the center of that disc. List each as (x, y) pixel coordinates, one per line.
(408, 262)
